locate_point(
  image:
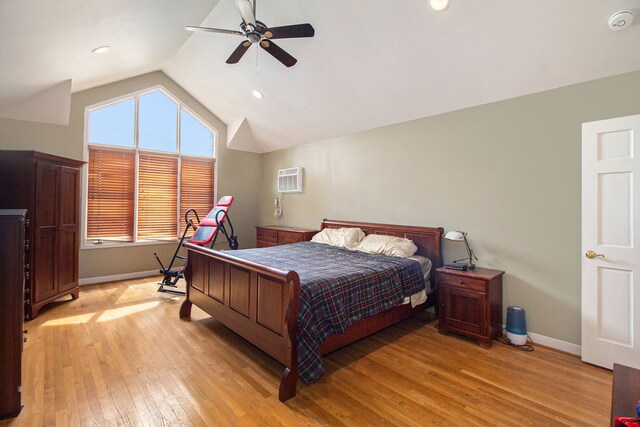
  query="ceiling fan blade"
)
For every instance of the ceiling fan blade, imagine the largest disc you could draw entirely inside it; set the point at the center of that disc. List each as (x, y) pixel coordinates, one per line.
(290, 31)
(246, 11)
(239, 52)
(213, 30)
(278, 53)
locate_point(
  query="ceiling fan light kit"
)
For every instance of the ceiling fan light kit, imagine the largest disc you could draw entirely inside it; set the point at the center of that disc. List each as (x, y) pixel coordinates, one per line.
(256, 32)
(439, 5)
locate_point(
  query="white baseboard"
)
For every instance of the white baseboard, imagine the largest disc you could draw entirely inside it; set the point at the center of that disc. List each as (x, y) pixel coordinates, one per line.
(115, 277)
(557, 344)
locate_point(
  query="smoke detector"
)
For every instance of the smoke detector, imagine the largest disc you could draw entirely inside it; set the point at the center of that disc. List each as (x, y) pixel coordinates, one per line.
(620, 20)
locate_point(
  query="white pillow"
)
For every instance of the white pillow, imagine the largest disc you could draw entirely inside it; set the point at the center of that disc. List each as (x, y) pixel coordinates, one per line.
(387, 245)
(341, 237)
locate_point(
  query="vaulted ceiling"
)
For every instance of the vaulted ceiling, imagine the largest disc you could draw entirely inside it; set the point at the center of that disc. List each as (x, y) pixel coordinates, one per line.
(372, 63)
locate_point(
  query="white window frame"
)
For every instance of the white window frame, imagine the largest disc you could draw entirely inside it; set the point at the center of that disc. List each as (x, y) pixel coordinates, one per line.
(84, 185)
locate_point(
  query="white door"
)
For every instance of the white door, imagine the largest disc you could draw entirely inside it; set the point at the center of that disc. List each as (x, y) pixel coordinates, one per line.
(610, 242)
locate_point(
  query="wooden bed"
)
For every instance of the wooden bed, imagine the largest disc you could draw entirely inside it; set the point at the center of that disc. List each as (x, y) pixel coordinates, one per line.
(261, 303)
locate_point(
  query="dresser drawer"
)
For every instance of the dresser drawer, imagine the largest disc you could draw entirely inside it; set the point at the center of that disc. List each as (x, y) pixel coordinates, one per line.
(286, 237)
(462, 282)
(263, 244)
(270, 236)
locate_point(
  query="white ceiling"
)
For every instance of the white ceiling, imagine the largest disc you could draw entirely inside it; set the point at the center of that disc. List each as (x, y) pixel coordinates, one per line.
(45, 42)
(372, 63)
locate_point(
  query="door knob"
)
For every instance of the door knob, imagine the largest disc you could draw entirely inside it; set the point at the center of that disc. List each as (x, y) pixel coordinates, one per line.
(591, 254)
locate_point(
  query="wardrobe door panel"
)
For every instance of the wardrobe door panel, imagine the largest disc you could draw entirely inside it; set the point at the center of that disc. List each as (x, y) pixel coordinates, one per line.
(69, 197)
(68, 230)
(44, 285)
(45, 247)
(67, 261)
(47, 195)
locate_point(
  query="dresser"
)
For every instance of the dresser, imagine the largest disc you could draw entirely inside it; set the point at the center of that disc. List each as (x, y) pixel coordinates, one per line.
(625, 393)
(274, 235)
(49, 188)
(470, 303)
(12, 269)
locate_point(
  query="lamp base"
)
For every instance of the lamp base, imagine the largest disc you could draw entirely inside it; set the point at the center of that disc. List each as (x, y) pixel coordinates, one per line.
(459, 267)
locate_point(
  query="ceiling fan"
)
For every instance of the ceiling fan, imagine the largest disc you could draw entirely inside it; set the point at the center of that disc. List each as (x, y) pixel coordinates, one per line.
(257, 32)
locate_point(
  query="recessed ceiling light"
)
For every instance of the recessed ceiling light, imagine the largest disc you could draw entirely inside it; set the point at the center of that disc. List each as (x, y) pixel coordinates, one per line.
(439, 5)
(101, 49)
(257, 94)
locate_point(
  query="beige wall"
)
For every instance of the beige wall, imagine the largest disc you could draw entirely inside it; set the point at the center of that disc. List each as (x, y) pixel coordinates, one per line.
(238, 173)
(508, 173)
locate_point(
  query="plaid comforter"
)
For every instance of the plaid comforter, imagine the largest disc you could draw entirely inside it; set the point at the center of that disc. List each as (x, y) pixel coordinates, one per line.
(338, 287)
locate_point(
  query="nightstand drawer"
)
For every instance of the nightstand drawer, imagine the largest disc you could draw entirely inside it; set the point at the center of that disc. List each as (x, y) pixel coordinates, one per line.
(270, 236)
(286, 237)
(462, 282)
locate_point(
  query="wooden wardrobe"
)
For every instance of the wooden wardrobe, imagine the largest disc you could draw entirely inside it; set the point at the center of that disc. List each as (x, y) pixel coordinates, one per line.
(12, 269)
(49, 188)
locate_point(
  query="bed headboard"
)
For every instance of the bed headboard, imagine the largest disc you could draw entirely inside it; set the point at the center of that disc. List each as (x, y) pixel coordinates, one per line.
(427, 239)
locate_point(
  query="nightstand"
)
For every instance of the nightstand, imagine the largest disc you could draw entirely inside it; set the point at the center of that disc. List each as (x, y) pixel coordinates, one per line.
(275, 235)
(470, 303)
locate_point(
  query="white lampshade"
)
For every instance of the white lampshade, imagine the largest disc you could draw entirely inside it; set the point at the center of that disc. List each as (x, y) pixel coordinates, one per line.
(455, 235)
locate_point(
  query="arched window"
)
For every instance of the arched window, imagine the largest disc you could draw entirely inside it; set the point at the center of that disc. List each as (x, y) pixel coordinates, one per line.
(150, 159)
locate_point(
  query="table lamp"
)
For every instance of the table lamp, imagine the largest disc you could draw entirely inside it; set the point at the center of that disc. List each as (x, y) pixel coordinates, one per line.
(461, 236)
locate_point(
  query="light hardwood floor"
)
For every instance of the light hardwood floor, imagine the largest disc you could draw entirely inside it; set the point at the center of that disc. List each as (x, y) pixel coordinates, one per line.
(119, 355)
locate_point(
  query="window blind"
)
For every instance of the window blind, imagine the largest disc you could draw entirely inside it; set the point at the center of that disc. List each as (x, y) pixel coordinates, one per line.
(157, 196)
(196, 187)
(111, 194)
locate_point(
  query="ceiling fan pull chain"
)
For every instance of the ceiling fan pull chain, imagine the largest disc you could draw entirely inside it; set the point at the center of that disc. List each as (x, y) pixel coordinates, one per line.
(257, 60)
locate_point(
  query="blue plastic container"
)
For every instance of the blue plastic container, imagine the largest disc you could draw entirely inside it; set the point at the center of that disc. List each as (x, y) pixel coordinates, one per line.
(516, 325)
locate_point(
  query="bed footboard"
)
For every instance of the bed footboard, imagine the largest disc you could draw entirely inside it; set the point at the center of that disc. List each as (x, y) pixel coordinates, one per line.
(259, 303)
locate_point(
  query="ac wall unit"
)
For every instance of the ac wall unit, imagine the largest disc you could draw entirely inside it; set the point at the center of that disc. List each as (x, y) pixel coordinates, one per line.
(290, 180)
